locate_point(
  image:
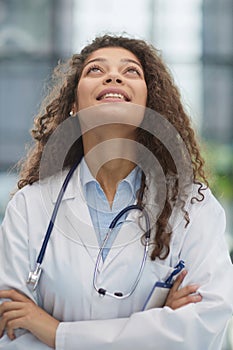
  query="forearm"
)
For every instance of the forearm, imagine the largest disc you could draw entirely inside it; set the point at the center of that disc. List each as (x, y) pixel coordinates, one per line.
(20, 312)
(22, 342)
(155, 329)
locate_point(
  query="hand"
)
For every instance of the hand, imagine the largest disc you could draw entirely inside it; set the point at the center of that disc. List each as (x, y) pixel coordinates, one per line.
(180, 297)
(22, 312)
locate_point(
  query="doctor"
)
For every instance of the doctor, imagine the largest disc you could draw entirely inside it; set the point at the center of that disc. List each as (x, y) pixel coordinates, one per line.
(94, 282)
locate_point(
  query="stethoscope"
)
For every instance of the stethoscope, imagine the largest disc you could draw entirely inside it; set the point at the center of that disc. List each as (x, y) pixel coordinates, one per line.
(34, 276)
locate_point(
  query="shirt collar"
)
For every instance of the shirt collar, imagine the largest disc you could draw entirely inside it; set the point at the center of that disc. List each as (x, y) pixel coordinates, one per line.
(133, 179)
(85, 174)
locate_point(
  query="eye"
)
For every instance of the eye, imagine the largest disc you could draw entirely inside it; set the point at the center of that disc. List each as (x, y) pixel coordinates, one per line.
(94, 69)
(133, 71)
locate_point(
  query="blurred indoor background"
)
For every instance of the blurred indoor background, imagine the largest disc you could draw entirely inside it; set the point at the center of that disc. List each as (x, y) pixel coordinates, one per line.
(194, 36)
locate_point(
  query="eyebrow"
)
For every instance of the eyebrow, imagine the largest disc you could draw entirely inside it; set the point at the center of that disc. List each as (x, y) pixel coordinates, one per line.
(124, 60)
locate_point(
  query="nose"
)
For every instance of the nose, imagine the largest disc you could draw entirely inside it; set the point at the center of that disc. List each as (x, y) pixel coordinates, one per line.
(112, 78)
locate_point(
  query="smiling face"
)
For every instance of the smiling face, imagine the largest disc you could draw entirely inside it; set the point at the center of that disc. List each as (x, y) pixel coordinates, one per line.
(111, 74)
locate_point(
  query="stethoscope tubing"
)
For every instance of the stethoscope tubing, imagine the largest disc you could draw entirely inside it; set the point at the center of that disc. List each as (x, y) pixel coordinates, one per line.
(34, 276)
(120, 295)
(54, 214)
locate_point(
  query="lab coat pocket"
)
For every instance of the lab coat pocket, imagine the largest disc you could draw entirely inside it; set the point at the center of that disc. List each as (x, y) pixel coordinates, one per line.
(159, 270)
(160, 290)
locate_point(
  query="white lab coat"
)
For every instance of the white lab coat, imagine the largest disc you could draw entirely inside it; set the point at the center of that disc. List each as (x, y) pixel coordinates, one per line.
(89, 321)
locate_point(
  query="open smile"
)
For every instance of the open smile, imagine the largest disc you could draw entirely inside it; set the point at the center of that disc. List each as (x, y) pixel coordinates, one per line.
(113, 95)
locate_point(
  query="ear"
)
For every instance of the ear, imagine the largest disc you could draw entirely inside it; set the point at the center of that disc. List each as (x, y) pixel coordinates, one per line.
(74, 109)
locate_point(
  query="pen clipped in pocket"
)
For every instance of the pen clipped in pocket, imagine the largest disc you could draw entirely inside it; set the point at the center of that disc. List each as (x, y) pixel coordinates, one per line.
(158, 294)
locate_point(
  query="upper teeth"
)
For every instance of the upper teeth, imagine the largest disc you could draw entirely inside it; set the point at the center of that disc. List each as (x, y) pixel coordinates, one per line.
(113, 95)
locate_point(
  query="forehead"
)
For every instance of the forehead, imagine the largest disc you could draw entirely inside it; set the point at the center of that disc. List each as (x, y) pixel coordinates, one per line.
(113, 53)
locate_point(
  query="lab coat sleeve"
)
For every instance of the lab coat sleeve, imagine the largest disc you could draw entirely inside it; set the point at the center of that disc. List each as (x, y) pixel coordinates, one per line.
(14, 268)
(199, 326)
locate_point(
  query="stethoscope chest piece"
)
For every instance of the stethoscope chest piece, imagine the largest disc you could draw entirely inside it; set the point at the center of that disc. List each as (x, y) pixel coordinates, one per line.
(34, 277)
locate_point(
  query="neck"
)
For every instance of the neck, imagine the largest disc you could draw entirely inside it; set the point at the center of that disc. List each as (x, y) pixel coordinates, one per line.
(109, 161)
(110, 174)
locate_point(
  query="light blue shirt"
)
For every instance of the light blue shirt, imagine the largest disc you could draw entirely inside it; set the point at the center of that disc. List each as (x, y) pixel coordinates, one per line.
(100, 211)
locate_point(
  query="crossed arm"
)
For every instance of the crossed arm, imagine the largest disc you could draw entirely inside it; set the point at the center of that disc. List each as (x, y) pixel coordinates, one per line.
(22, 312)
(191, 321)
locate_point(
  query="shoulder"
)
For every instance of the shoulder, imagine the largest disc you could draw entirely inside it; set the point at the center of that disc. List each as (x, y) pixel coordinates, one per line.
(207, 221)
(47, 190)
(203, 203)
(199, 201)
(206, 216)
(41, 190)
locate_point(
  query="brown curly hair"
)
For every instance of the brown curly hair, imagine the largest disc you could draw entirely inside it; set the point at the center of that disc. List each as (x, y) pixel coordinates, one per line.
(163, 97)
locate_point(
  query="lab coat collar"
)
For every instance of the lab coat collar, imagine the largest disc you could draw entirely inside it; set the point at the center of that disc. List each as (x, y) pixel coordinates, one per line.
(56, 182)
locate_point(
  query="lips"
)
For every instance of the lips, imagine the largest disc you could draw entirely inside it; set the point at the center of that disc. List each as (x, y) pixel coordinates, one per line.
(113, 94)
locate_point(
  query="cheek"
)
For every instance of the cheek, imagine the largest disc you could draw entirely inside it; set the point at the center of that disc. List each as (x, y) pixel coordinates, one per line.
(142, 94)
(81, 90)
(82, 94)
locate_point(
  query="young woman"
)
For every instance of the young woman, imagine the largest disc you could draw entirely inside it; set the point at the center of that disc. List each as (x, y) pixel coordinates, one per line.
(114, 149)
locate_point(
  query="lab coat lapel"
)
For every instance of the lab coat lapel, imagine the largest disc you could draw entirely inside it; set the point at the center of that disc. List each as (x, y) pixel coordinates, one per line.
(75, 222)
(78, 217)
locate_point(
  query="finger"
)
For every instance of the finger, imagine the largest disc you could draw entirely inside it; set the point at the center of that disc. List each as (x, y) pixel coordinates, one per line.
(11, 334)
(179, 280)
(175, 295)
(13, 295)
(8, 317)
(12, 326)
(10, 305)
(187, 290)
(195, 298)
